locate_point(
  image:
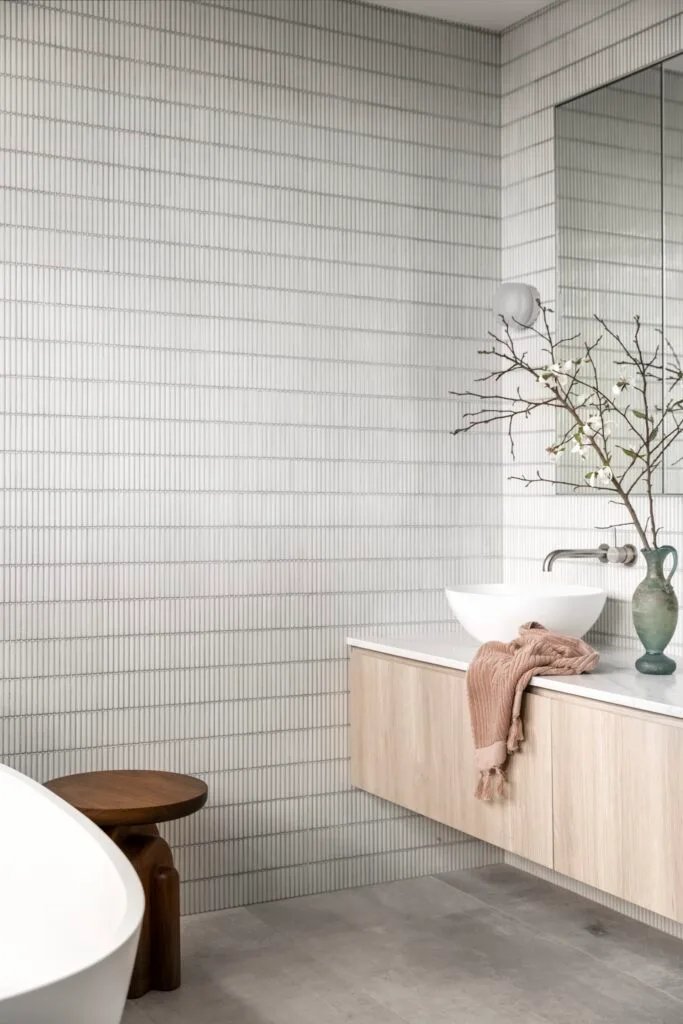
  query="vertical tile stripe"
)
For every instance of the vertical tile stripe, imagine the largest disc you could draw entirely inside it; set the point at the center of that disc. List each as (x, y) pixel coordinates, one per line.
(247, 250)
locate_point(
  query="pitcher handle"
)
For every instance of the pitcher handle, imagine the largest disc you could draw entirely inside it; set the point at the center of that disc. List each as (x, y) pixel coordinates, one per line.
(667, 550)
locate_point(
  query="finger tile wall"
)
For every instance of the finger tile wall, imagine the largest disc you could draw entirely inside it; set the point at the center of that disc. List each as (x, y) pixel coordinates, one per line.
(248, 247)
(608, 178)
(571, 47)
(247, 250)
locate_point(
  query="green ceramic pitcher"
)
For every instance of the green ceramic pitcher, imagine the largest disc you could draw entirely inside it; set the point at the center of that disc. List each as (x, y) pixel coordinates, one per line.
(655, 612)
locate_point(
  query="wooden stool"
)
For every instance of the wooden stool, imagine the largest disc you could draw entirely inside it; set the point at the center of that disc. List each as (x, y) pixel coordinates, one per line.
(128, 805)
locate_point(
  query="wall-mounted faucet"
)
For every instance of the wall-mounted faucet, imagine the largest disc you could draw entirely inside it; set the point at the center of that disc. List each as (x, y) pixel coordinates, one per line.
(624, 555)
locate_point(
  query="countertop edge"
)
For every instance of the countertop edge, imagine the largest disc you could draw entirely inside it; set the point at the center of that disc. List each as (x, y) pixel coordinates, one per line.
(575, 686)
(397, 652)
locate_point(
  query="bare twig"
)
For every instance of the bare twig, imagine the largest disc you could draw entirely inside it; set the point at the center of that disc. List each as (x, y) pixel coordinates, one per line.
(654, 428)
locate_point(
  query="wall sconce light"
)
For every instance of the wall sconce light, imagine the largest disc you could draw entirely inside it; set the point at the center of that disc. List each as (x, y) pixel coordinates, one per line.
(517, 303)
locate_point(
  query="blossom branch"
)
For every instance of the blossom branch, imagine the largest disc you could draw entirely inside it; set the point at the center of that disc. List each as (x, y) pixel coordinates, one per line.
(573, 387)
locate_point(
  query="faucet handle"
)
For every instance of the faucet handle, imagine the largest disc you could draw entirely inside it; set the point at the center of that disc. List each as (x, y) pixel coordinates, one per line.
(624, 555)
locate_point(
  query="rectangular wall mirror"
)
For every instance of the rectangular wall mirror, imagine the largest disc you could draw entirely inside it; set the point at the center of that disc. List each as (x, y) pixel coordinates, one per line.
(619, 226)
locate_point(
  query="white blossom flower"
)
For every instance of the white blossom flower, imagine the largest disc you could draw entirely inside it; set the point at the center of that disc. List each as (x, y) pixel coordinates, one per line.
(557, 374)
(555, 450)
(622, 384)
(599, 476)
(560, 374)
(594, 425)
(579, 449)
(548, 378)
(563, 372)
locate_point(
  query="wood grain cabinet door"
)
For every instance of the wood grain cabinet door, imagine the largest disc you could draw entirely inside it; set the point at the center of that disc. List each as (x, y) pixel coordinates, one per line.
(411, 743)
(618, 802)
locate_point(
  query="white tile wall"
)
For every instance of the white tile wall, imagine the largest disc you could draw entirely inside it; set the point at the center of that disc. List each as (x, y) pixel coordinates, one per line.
(672, 194)
(247, 249)
(608, 221)
(569, 48)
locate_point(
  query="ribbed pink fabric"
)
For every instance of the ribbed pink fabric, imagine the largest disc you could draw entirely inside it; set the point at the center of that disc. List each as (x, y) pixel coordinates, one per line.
(496, 681)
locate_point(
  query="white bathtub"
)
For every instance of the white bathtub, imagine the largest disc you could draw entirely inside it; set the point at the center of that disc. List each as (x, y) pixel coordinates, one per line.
(70, 912)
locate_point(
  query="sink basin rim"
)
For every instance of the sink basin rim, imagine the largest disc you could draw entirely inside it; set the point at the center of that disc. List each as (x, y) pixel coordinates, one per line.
(562, 590)
(495, 611)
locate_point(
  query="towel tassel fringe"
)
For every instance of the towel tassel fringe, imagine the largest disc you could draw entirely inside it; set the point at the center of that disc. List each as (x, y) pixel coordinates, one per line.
(487, 781)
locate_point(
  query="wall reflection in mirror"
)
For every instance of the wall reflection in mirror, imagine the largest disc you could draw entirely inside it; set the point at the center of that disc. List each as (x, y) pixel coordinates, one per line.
(619, 237)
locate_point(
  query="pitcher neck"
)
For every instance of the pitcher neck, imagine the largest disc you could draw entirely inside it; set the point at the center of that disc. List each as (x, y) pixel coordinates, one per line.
(655, 561)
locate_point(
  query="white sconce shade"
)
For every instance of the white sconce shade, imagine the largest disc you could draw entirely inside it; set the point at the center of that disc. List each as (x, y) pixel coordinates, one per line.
(517, 303)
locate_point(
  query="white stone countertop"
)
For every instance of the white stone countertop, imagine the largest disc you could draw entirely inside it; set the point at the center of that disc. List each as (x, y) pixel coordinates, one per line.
(614, 681)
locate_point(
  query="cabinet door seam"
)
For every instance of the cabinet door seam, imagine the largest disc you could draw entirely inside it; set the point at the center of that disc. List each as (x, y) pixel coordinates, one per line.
(553, 860)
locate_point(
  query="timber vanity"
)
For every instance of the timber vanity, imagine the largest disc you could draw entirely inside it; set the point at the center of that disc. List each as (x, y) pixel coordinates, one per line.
(596, 792)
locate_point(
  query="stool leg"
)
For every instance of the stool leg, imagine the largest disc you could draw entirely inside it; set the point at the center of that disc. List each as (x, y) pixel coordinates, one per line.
(140, 851)
(149, 854)
(165, 900)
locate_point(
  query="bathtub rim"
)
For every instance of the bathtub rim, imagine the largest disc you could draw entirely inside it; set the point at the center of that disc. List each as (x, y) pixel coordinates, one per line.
(135, 898)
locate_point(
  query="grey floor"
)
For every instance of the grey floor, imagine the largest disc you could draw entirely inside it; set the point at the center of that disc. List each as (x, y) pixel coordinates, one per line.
(475, 947)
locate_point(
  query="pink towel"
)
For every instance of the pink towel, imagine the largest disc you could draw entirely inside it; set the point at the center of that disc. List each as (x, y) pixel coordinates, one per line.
(496, 681)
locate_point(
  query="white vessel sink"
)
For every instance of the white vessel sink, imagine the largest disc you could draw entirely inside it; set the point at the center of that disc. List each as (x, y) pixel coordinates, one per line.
(495, 611)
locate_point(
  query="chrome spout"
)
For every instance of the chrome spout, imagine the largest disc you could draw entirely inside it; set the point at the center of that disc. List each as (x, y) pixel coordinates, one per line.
(599, 553)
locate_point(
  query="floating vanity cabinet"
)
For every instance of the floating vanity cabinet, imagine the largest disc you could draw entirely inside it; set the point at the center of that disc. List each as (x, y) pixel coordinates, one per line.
(618, 801)
(596, 791)
(411, 743)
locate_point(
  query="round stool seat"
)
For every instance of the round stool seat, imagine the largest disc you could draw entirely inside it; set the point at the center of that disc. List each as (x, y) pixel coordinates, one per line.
(131, 797)
(128, 805)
